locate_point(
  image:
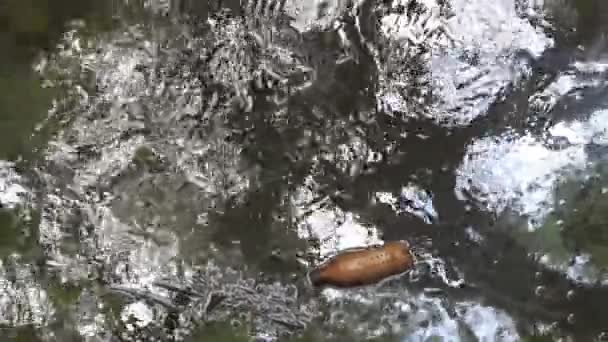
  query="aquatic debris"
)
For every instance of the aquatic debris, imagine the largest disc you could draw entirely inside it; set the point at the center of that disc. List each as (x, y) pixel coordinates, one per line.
(412, 200)
(364, 266)
(213, 294)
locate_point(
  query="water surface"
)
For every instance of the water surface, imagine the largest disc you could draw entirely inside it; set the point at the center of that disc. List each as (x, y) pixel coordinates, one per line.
(171, 170)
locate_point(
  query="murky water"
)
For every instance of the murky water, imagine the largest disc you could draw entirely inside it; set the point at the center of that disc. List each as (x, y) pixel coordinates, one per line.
(170, 170)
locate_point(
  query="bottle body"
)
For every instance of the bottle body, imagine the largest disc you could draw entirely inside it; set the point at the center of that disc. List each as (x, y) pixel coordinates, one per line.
(363, 266)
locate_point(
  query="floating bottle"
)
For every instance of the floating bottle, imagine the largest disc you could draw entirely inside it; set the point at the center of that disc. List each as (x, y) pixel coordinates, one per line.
(363, 266)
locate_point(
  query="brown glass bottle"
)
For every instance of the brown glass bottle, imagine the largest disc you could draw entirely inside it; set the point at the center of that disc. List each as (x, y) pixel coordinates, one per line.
(363, 266)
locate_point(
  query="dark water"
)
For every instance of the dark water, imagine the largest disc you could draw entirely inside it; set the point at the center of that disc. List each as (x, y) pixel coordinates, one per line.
(253, 230)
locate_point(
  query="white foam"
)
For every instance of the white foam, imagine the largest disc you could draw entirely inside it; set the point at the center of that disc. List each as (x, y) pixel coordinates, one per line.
(490, 33)
(420, 318)
(548, 97)
(433, 321)
(332, 227)
(132, 252)
(407, 55)
(581, 75)
(518, 173)
(22, 300)
(594, 130)
(11, 192)
(591, 66)
(146, 260)
(488, 324)
(138, 310)
(420, 202)
(306, 13)
(580, 270)
(472, 59)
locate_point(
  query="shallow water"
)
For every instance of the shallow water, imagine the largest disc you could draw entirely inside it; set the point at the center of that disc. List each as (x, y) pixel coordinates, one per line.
(171, 170)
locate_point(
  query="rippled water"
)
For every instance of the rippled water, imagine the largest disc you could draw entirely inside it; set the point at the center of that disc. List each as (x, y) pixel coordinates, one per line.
(186, 163)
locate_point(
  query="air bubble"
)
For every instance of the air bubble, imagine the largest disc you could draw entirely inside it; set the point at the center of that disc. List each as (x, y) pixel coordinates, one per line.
(571, 319)
(540, 291)
(570, 295)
